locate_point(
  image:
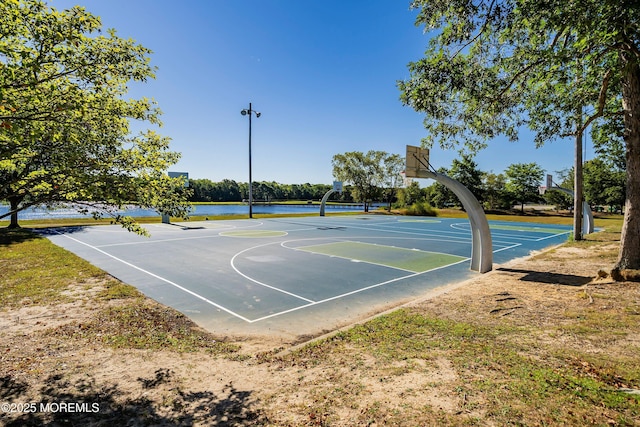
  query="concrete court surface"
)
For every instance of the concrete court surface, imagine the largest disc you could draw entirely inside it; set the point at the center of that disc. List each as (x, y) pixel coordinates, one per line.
(295, 277)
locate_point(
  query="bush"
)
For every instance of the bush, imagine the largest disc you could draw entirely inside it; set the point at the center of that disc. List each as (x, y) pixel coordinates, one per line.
(421, 209)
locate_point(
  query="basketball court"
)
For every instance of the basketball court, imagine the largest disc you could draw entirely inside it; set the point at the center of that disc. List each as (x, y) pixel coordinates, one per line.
(294, 277)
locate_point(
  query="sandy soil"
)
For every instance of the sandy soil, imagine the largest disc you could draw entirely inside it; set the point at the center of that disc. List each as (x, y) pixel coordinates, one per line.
(104, 386)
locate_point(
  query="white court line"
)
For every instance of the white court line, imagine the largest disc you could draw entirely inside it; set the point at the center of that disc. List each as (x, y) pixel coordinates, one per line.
(526, 237)
(555, 235)
(313, 303)
(341, 257)
(393, 226)
(425, 237)
(215, 232)
(258, 282)
(512, 237)
(355, 292)
(443, 232)
(430, 233)
(454, 235)
(348, 239)
(442, 236)
(146, 242)
(439, 237)
(514, 245)
(159, 278)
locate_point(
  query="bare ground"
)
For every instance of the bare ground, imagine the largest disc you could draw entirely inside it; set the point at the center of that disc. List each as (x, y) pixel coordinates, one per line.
(46, 358)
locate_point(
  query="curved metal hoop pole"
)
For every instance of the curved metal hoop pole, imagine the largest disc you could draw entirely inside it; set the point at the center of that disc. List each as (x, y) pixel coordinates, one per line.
(481, 245)
(324, 201)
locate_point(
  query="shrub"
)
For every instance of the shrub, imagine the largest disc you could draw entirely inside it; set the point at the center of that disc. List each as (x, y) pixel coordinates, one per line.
(421, 209)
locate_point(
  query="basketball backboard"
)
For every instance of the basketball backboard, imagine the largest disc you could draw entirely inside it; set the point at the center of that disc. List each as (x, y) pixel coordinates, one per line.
(184, 175)
(417, 159)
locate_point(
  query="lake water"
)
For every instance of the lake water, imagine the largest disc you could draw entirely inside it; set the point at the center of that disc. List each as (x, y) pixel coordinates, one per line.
(198, 210)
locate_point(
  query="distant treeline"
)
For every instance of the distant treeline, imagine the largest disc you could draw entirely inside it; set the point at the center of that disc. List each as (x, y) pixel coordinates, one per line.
(205, 190)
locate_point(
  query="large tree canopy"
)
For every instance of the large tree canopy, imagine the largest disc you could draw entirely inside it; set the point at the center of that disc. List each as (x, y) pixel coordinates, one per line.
(522, 181)
(370, 174)
(554, 66)
(65, 133)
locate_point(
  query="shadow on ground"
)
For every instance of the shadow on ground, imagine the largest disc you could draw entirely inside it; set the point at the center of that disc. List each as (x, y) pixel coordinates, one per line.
(85, 403)
(550, 278)
(10, 236)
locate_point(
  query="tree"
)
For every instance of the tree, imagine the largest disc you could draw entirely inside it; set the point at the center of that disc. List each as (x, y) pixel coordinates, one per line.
(493, 67)
(523, 181)
(64, 123)
(466, 172)
(495, 192)
(368, 173)
(561, 200)
(393, 165)
(410, 194)
(609, 146)
(201, 190)
(229, 191)
(603, 185)
(439, 195)
(463, 170)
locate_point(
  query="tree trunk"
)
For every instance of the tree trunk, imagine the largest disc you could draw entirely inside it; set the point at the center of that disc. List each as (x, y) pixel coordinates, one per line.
(14, 202)
(629, 255)
(578, 176)
(578, 187)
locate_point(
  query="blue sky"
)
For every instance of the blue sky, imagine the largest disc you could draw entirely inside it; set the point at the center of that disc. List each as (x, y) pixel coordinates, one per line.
(322, 74)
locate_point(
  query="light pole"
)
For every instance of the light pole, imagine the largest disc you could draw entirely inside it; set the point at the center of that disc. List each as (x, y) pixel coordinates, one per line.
(244, 113)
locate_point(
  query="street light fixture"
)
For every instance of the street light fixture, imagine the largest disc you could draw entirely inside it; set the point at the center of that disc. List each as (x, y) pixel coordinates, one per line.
(244, 112)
